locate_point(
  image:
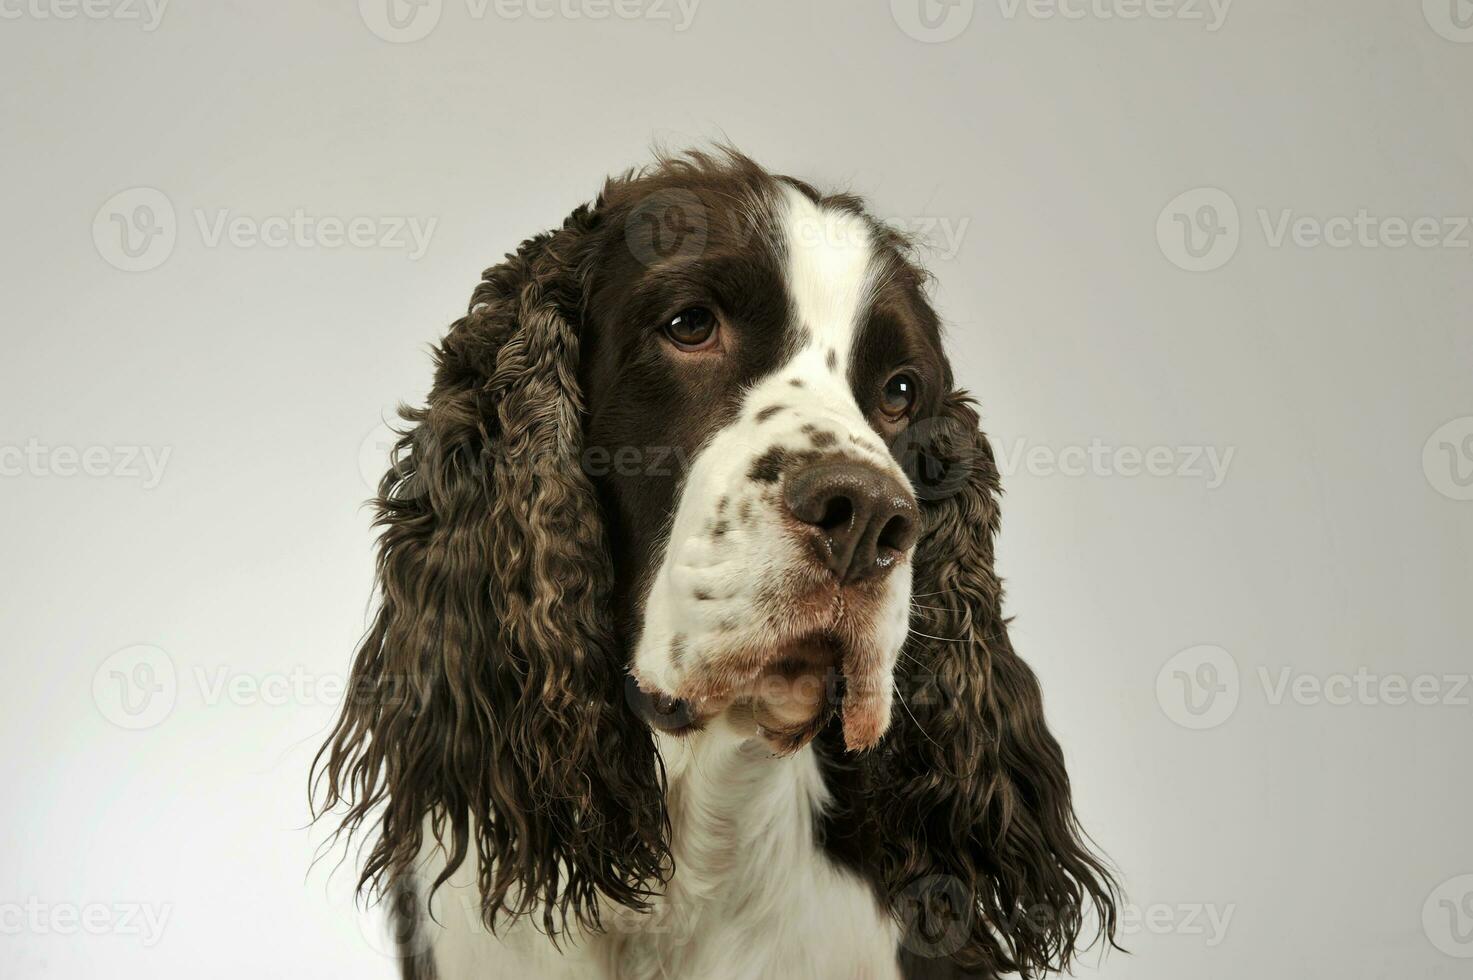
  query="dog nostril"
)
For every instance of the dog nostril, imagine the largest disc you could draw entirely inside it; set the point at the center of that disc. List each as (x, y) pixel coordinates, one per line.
(897, 534)
(837, 513)
(856, 516)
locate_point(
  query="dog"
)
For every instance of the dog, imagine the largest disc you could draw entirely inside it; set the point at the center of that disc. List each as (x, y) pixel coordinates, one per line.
(690, 658)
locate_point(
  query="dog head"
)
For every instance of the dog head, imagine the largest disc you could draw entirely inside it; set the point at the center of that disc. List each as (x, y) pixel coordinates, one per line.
(688, 460)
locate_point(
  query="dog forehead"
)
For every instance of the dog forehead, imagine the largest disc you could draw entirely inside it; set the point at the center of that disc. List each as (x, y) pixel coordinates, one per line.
(830, 267)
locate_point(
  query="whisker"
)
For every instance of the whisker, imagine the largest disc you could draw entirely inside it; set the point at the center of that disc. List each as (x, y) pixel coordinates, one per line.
(901, 697)
(912, 658)
(942, 639)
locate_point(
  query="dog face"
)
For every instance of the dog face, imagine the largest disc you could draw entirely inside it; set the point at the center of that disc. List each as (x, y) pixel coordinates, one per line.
(689, 456)
(743, 396)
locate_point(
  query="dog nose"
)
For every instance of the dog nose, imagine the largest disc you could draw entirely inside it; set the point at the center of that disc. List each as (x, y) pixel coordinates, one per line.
(860, 519)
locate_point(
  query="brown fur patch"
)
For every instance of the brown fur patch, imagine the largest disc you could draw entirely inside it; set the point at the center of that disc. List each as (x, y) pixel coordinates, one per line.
(768, 467)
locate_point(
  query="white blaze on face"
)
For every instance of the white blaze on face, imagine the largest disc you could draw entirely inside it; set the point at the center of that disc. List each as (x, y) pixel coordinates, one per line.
(722, 595)
(831, 266)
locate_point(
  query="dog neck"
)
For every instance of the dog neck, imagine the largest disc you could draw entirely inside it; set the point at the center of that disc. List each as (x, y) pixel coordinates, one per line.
(753, 894)
(737, 811)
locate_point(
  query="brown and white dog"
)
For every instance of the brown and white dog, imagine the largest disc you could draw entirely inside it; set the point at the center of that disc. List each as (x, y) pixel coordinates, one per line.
(690, 659)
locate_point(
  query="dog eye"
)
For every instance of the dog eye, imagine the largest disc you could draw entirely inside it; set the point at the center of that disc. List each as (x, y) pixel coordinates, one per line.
(899, 396)
(692, 329)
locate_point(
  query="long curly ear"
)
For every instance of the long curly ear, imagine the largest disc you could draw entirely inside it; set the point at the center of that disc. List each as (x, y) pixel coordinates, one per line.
(487, 702)
(963, 813)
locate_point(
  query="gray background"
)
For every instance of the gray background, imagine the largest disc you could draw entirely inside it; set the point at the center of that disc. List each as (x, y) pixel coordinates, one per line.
(171, 645)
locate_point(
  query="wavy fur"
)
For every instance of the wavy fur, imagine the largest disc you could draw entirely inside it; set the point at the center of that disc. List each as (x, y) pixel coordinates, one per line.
(488, 693)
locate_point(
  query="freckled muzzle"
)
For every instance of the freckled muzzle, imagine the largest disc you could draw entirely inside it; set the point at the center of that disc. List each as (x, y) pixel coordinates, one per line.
(783, 591)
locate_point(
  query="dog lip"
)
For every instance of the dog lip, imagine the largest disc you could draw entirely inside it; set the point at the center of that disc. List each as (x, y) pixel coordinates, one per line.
(665, 712)
(814, 654)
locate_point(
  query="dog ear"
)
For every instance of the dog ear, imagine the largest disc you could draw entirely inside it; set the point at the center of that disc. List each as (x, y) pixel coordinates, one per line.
(486, 712)
(962, 816)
